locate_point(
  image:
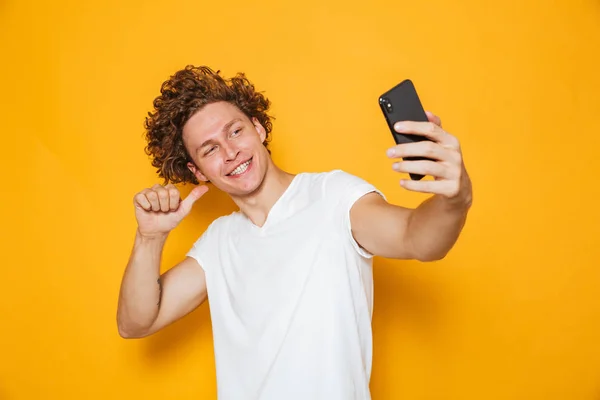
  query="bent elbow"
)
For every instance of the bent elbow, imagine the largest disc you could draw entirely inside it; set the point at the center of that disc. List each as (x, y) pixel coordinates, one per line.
(130, 333)
(431, 257)
(125, 334)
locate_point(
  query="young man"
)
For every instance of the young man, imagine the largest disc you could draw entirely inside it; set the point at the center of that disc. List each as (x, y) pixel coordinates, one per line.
(288, 275)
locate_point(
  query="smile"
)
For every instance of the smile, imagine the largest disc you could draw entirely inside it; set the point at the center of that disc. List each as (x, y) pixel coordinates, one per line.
(241, 168)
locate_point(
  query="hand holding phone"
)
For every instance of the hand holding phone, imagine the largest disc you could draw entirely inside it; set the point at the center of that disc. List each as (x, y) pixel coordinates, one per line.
(426, 148)
(402, 103)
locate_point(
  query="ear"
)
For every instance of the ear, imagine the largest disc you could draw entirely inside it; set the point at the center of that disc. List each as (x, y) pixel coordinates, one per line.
(196, 172)
(260, 129)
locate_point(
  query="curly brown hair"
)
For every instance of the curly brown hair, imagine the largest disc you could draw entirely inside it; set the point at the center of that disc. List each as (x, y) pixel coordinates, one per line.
(184, 94)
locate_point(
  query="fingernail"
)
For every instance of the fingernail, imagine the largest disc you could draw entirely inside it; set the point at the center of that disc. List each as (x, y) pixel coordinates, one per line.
(399, 126)
(391, 152)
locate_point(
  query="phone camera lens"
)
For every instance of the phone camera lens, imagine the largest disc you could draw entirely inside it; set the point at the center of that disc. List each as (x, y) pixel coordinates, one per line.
(387, 105)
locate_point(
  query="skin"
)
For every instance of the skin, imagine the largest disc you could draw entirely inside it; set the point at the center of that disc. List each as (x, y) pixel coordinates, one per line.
(428, 232)
(216, 153)
(219, 138)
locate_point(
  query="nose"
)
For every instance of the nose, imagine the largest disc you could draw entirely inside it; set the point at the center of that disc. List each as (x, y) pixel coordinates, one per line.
(231, 152)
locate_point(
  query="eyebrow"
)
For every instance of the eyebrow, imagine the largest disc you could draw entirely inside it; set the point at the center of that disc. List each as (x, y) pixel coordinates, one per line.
(223, 130)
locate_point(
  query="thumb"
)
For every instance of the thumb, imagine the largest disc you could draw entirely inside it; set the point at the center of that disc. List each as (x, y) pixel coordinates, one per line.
(186, 204)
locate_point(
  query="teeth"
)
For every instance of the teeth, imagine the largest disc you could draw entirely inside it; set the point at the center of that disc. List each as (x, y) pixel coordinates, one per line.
(241, 168)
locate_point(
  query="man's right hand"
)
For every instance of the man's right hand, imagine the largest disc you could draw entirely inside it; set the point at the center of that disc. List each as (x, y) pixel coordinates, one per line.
(159, 209)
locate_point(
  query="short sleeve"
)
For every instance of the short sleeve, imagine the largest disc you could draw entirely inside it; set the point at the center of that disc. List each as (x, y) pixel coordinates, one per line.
(199, 250)
(342, 191)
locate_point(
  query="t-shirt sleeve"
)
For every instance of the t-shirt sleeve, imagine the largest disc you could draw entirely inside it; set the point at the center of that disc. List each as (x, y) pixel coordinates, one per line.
(342, 190)
(199, 250)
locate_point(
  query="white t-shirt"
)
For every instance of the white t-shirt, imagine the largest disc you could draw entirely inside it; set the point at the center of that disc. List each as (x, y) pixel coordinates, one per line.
(291, 302)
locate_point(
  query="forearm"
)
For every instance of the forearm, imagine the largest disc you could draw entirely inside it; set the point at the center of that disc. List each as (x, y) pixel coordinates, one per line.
(435, 225)
(140, 294)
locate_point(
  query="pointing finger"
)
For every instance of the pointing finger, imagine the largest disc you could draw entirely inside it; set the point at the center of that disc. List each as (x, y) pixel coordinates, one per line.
(163, 196)
(173, 198)
(428, 130)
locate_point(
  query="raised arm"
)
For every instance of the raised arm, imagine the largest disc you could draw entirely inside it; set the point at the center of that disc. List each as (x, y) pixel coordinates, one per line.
(147, 300)
(429, 231)
(426, 233)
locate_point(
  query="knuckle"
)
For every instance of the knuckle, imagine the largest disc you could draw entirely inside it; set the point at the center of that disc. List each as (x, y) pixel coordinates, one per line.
(162, 193)
(453, 189)
(455, 142)
(430, 149)
(458, 157)
(431, 127)
(139, 197)
(458, 162)
(451, 141)
(455, 173)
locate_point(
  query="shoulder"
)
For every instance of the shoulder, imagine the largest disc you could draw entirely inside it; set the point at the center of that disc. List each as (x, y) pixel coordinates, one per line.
(330, 181)
(340, 176)
(218, 226)
(346, 186)
(208, 241)
(337, 189)
(343, 192)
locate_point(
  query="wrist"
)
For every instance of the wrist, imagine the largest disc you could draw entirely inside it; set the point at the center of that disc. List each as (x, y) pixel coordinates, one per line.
(156, 237)
(458, 203)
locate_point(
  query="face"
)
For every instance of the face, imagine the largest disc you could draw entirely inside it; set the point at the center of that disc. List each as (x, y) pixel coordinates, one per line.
(227, 148)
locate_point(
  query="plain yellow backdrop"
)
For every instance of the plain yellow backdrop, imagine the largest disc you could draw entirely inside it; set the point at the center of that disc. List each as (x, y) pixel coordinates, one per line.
(512, 313)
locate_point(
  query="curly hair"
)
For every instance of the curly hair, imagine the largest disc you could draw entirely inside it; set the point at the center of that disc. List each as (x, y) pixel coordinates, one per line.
(184, 94)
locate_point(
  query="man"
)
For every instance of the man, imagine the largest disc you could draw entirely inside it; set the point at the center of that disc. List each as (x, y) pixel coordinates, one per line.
(288, 275)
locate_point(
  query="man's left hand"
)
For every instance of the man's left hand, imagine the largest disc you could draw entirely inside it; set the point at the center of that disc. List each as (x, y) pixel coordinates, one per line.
(446, 165)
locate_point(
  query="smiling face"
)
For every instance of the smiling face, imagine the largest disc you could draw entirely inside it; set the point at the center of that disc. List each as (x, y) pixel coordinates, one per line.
(227, 148)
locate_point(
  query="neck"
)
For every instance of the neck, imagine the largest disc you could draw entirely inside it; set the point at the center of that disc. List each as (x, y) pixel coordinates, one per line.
(257, 205)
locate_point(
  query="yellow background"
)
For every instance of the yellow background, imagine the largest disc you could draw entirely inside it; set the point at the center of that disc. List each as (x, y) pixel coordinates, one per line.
(512, 313)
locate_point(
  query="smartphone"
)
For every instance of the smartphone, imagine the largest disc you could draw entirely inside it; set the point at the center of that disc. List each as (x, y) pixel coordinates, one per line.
(402, 103)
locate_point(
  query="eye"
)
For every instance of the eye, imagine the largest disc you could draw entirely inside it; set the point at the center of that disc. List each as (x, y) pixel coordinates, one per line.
(236, 132)
(210, 150)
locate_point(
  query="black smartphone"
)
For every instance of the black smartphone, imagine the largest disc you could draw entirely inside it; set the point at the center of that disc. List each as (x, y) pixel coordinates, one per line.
(402, 103)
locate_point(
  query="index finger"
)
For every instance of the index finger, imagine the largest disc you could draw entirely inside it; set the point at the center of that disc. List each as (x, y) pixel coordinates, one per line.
(174, 197)
(427, 129)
